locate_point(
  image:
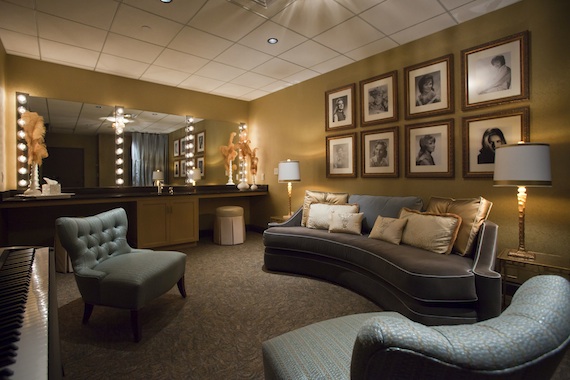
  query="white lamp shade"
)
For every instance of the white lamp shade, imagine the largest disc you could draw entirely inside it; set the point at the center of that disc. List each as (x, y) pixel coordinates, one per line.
(523, 164)
(196, 175)
(157, 175)
(289, 171)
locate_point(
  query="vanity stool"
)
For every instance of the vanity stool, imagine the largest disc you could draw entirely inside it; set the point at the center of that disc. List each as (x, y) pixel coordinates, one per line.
(229, 227)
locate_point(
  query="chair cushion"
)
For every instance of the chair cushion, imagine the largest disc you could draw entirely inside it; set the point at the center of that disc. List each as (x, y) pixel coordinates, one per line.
(133, 279)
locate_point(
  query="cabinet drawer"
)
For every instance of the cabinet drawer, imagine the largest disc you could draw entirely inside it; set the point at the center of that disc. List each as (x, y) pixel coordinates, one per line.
(520, 273)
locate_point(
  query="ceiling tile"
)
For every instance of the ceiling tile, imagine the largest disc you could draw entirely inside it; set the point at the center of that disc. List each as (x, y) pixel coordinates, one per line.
(180, 61)
(242, 57)
(301, 76)
(312, 17)
(68, 55)
(479, 8)
(349, 35)
(308, 54)
(253, 80)
(226, 20)
(276, 86)
(98, 14)
(231, 90)
(219, 71)
(141, 25)
(163, 75)
(452, 4)
(120, 66)
(19, 19)
(275, 7)
(257, 39)
(371, 49)
(196, 42)
(358, 6)
(255, 94)
(198, 83)
(277, 68)
(20, 44)
(394, 15)
(70, 32)
(332, 64)
(130, 48)
(179, 11)
(423, 29)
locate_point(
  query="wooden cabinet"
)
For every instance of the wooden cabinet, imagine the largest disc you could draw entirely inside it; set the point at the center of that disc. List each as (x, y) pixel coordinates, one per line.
(166, 221)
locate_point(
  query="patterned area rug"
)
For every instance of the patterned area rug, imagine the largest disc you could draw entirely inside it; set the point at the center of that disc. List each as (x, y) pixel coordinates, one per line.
(215, 333)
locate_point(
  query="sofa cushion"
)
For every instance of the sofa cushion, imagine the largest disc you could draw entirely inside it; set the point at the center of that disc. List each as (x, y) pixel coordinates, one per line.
(374, 205)
(320, 214)
(320, 197)
(433, 232)
(345, 222)
(388, 229)
(473, 212)
(420, 274)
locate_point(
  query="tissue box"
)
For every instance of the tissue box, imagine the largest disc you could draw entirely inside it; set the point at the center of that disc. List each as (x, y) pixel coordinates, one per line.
(51, 189)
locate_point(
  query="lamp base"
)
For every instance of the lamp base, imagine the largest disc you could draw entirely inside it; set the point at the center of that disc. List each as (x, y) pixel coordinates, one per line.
(528, 255)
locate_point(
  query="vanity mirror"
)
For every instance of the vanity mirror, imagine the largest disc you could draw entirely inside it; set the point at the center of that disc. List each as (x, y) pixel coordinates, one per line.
(81, 140)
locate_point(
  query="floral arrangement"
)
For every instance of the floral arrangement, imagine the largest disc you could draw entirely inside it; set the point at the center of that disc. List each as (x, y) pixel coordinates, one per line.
(35, 131)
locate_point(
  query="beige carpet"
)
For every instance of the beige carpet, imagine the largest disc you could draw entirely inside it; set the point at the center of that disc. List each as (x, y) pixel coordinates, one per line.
(215, 333)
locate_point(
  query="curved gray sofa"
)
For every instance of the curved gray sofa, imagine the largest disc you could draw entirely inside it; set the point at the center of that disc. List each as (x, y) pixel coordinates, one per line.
(426, 287)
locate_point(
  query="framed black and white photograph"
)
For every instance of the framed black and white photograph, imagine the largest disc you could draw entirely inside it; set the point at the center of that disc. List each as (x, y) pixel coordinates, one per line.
(183, 146)
(176, 169)
(341, 155)
(379, 151)
(430, 150)
(429, 88)
(201, 142)
(176, 147)
(482, 134)
(339, 108)
(201, 165)
(496, 72)
(379, 99)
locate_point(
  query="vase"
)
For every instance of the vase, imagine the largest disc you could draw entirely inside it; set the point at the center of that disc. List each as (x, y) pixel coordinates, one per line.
(34, 185)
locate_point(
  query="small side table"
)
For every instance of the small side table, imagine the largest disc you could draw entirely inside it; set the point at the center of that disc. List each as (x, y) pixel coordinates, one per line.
(516, 270)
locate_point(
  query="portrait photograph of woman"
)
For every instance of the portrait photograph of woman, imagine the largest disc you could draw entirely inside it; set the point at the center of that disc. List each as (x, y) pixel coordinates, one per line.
(379, 152)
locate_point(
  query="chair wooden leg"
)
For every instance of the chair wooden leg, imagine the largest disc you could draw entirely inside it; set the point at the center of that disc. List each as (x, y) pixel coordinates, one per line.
(136, 325)
(87, 312)
(182, 287)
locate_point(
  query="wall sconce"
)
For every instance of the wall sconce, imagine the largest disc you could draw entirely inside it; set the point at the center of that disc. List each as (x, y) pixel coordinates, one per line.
(21, 146)
(520, 165)
(189, 149)
(119, 126)
(289, 171)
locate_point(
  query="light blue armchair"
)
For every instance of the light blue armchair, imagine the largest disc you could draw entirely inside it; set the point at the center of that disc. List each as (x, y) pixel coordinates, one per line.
(527, 341)
(108, 272)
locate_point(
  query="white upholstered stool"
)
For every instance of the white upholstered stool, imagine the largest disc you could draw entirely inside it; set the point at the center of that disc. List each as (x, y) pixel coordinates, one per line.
(229, 227)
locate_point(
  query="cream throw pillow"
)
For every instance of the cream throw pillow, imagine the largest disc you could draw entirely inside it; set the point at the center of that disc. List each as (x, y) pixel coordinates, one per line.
(433, 232)
(320, 197)
(346, 222)
(388, 229)
(320, 214)
(473, 212)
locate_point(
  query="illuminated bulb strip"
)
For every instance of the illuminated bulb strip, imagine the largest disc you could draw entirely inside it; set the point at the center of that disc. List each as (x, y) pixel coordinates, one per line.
(119, 125)
(21, 146)
(189, 149)
(242, 173)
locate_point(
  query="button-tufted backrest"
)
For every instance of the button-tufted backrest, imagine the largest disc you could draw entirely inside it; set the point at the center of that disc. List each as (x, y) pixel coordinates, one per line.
(93, 239)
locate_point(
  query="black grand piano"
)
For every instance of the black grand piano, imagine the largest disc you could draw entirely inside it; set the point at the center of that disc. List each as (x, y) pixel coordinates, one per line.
(29, 331)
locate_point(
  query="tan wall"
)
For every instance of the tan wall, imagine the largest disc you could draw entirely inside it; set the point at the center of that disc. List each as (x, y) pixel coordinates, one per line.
(291, 124)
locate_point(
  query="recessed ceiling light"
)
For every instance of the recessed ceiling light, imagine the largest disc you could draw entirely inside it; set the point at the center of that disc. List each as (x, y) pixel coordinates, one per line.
(166, 1)
(272, 40)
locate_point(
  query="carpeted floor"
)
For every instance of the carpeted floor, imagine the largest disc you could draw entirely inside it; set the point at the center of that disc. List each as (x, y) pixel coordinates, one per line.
(215, 333)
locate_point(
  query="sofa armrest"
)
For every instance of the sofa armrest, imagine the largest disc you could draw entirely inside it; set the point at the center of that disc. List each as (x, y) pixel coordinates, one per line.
(293, 221)
(487, 280)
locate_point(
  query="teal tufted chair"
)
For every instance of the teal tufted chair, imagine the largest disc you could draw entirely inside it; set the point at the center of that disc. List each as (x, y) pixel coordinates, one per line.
(108, 272)
(527, 341)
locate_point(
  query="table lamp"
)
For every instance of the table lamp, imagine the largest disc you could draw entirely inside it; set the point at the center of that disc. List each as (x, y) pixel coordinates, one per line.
(522, 165)
(157, 178)
(289, 172)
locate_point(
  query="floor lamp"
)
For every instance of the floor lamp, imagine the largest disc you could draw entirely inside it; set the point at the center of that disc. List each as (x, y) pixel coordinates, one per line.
(522, 165)
(289, 172)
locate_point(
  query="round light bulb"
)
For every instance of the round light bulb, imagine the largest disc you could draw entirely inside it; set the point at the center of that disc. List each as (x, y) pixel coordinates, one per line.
(22, 183)
(119, 161)
(119, 171)
(23, 170)
(119, 181)
(119, 151)
(22, 159)
(22, 99)
(119, 140)
(21, 109)
(21, 134)
(21, 122)
(22, 147)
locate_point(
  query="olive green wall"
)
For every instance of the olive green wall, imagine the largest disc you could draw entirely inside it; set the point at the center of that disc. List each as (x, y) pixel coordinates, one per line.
(291, 124)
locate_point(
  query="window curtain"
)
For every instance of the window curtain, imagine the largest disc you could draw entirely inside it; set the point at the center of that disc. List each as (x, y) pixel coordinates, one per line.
(149, 152)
